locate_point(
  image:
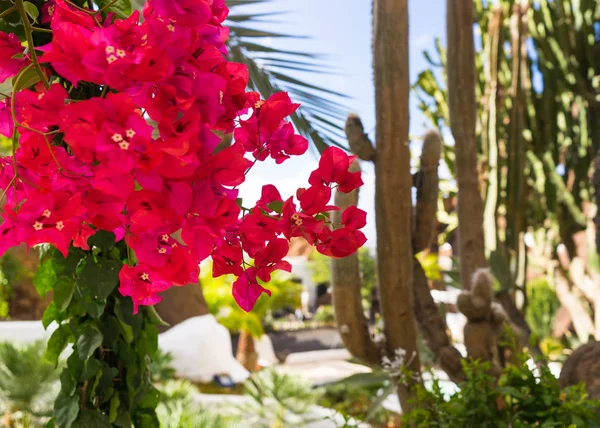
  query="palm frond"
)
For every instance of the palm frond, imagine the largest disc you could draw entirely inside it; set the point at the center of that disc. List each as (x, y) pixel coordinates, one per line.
(322, 113)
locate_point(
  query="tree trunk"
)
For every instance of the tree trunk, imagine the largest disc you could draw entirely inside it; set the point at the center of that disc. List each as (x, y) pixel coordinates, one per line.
(462, 105)
(24, 302)
(181, 303)
(393, 184)
(246, 352)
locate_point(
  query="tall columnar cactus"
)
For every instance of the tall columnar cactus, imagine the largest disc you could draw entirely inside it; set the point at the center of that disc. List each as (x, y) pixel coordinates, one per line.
(463, 117)
(540, 115)
(352, 323)
(392, 169)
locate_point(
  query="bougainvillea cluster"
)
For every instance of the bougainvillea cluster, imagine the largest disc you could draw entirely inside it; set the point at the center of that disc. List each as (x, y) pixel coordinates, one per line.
(169, 190)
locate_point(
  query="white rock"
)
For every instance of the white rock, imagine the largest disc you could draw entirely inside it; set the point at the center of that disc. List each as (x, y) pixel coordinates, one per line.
(266, 352)
(201, 348)
(24, 331)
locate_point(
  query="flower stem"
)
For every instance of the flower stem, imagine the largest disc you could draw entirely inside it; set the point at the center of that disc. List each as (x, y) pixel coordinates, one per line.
(29, 36)
(8, 11)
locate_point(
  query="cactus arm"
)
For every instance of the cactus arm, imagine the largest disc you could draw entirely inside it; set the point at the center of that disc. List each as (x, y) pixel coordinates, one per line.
(347, 299)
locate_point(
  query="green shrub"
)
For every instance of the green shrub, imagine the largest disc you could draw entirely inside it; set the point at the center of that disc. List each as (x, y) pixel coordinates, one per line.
(277, 400)
(541, 309)
(177, 409)
(325, 314)
(161, 367)
(521, 398)
(28, 383)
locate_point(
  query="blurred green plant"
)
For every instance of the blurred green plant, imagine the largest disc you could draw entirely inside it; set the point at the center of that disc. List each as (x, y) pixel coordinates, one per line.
(541, 309)
(160, 368)
(325, 314)
(360, 397)
(177, 409)
(277, 400)
(525, 395)
(285, 294)
(28, 384)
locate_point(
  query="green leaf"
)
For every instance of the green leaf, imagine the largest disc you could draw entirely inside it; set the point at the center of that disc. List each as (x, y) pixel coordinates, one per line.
(56, 344)
(51, 424)
(146, 418)
(114, 408)
(66, 409)
(101, 278)
(94, 307)
(67, 382)
(124, 313)
(68, 265)
(154, 317)
(63, 292)
(127, 331)
(91, 419)
(44, 278)
(110, 328)
(123, 418)
(122, 8)
(26, 79)
(276, 206)
(91, 368)
(75, 365)
(104, 382)
(89, 340)
(150, 399)
(50, 314)
(31, 10)
(103, 240)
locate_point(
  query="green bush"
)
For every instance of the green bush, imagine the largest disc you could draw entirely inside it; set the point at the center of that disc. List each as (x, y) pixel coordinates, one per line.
(277, 400)
(325, 314)
(161, 367)
(285, 294)
(541, 309)
(28, 383)
(521, 398)
(177, 409)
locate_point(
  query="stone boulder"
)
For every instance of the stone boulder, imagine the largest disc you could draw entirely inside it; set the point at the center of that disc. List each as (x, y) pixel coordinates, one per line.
(583, 366)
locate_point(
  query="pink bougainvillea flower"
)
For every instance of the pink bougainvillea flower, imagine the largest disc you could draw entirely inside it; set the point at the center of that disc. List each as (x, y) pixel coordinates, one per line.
(341, 242)
(354, 218)
(277, 137)
(40, 110)
(229, 166)
(333, 168)
(297, 224)
(6, 121)
(246, 290)
(80, 240)
(52, 219)
(142, 285)
(270, 259)
(105, 211)
(12, 59)
(227, 259)
(314, 199)
(188, 13)
(90, 160)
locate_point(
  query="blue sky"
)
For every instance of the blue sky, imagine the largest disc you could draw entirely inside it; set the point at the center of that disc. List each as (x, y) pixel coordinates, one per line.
(341, 29)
